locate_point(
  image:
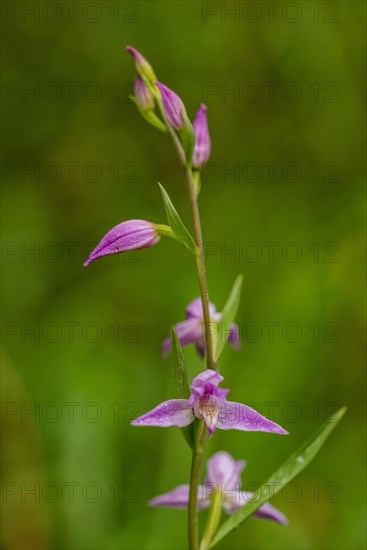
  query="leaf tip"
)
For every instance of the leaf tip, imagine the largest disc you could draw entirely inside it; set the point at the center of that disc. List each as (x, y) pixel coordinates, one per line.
(340, 413)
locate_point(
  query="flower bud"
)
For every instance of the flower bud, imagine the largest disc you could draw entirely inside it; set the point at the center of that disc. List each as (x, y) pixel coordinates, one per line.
(142, 66)
(143, 95)
(202, 138)
(129, 235)
(173, 106)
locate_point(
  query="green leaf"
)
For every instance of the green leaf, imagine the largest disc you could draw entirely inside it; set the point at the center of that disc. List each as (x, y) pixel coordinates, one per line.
(179, 369)
(176, 224)
(291, 467)
(228, 315)
(180, 382)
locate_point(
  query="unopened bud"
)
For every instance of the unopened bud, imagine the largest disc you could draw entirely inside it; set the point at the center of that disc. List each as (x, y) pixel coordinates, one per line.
(143, 94)
(143, 68)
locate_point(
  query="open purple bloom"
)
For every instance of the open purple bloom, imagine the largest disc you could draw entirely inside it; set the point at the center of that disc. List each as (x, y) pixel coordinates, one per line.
(192, 331)
(130, 235)
(142, 66)
(202, 138)
(208, 402)
(173, 106)
(224, 475)
(143, 94)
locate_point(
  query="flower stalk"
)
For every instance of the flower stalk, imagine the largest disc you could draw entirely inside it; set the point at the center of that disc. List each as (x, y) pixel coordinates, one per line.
(210, 361)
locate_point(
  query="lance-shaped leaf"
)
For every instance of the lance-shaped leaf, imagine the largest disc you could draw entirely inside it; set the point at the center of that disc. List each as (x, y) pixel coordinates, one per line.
(181, 387)
(289, 469)
(176, 224)
(228, 315)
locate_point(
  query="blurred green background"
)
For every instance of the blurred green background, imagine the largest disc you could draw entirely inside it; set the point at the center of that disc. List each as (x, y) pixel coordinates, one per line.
(79, 159)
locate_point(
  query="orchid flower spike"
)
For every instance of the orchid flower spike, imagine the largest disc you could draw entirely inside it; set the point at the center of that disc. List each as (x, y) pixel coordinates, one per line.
(143, 68)
(129, 235)
(202, 139)
(224, 475)
(192, 331)
(208, 402)
(173, 106)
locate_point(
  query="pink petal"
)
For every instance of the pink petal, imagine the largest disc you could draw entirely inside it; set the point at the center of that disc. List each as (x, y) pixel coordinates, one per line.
(195, 309)
(174, 412)
(267, 511)
(236, 500)
(200, 382)
(234, 336)
(179, 498)
(188, 332)
(200, 347)
(224, 470)
(235, 416)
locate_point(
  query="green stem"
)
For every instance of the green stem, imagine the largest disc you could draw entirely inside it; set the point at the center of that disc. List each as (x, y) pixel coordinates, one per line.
(210, 361)
(213, 520)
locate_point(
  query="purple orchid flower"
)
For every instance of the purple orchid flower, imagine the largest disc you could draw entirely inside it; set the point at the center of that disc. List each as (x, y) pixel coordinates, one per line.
(142, 66)
(208, 402)
(129, 235)
(224, 475)
(202, 139)
(143, 94)
(192, 331)
(173, 106)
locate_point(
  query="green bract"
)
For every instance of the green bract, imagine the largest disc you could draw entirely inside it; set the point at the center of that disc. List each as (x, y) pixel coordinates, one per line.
(176, 224)
(181, 389)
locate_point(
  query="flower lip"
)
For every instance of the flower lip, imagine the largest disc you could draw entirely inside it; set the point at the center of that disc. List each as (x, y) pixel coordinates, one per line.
(208, 408)
(208, 389)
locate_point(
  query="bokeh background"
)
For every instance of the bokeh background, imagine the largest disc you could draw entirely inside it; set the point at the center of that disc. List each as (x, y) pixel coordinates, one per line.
(81, 346)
